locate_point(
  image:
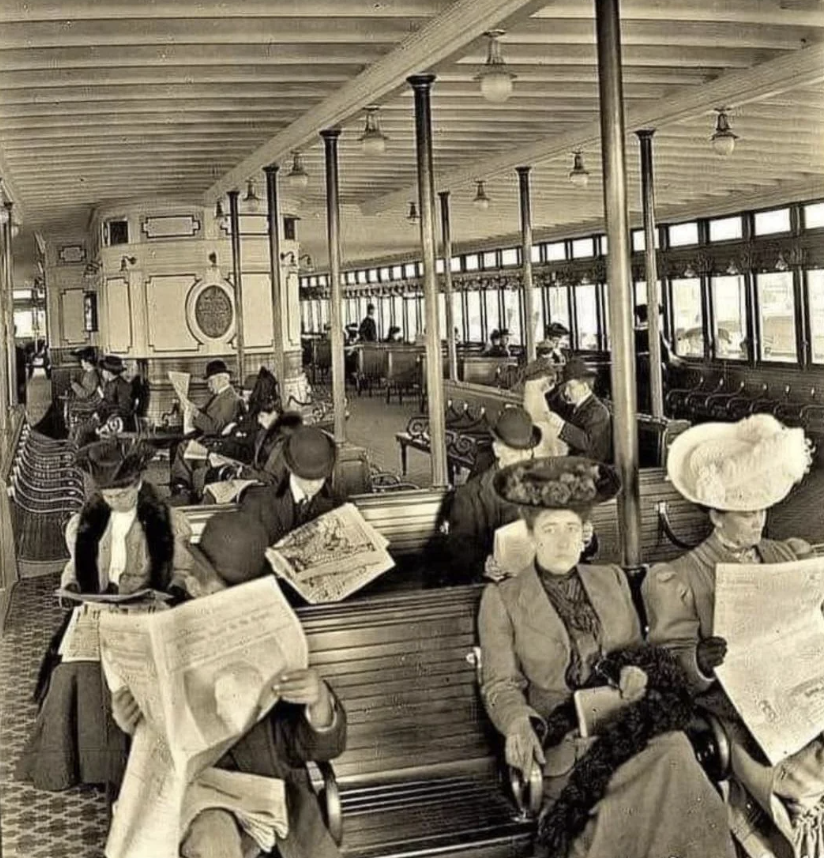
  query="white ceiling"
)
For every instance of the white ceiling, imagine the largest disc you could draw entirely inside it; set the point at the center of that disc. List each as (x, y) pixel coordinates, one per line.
(111, 100)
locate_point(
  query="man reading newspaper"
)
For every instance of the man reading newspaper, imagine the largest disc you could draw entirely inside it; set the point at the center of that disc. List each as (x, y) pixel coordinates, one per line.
(224, 714)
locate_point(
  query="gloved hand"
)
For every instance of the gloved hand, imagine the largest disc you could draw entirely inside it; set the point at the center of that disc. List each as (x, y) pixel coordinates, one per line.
(633, 683)
(710, 653)
(523, 747)
(125, 711)
(178, 595)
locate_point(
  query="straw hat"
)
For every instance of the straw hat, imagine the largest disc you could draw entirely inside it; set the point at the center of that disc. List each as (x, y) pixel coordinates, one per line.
(739, 467)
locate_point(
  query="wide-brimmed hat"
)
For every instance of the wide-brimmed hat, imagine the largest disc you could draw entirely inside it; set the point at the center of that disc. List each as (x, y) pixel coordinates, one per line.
(87, 353)
(113, 464)
(515, 428)
(216, 367)
(576, 368)
(556, 329)
(234, 545)
(557, 482)
(738, 467)
(112, 363)
(310, 453)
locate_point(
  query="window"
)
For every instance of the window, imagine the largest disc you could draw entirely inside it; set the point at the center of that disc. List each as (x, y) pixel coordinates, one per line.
(457, 315)
(490, 259)
(558, 302)
(397, 272)
(384, 314)
(729, 301)
(815, 291)
(410, 305)
(397, 311)
(386, 274)
(442, 315)
(324, 313)
(323, 280)
(814, 216)
(372, 275)
(512, 313)
(586, 308)
(473, 317)
(21, 294)
(639, 240)
(410, 269)
(362, 277)
(688, 317)
(604, 245)
(681, 234)
(776, 309)
(767, 223)
(313, 281)
(583, 247)
(471, 262)
(640, 287)
(726, 228)
(115, 232)
(493, 316)
(512, 256)
(455, 263)
(351, 279)
(535, 254)
(555, 251)
(439, 266)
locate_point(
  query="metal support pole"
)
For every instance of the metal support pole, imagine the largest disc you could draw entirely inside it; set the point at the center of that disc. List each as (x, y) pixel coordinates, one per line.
(446, 249)
(656, 379)
(234, 220)
(619, 276)
(273, 209)
(5, 334)
(422, 86)
(526, 262)
(11, 350)
(330, 142)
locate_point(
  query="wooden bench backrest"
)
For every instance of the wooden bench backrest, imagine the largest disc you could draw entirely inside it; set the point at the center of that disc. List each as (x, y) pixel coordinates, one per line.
(483, 370)
(403, 362)
(480, 397)
(373, 360)
(403, 667)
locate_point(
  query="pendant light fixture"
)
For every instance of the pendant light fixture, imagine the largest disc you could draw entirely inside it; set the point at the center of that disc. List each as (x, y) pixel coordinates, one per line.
(579, 174)
(781, 264)
(481, 201)
(413, 217)
(495, 77)
(220, 214)
(723, 140)
(373, 140)
(251, 202)
(15, 229)
(297, 178)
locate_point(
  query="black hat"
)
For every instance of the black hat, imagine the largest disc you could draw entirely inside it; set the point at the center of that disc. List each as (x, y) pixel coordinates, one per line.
(216, 367)
(576, 368)
(352, 326)
(310, 453)
(504, 332)
(288, 422)
(87, 353)
(495, 335)
(234, 544)
(557, 482)
(515, 428)
(113, 464)
(556, 329)
(112, 363)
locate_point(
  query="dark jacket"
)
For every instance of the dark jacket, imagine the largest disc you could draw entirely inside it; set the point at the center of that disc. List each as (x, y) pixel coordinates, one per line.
(279, 746)
(219, 411)
(275, 508)
(117, 401)
(588, 430)
(368, 330)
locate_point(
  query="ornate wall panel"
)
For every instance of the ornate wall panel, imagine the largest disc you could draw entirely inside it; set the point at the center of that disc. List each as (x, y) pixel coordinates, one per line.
(168, 324)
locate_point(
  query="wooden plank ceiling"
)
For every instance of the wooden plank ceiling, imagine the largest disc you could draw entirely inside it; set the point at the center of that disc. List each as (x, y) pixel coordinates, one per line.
(116, 100)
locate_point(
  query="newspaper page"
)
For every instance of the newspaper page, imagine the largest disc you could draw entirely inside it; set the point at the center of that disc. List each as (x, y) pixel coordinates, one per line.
(331, 557)
(195, 451)
(227, 491)
(180, 383)
(202, 675)
(513, 547)
(771, 618)
(81, 640)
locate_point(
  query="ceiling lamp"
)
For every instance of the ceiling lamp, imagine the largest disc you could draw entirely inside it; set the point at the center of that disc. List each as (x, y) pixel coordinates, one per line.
(732, 269)
(481, 200)
(496, 79)
(306, 262)
(723, 140)
(4, 214)
(297, 177)
(781, 264)
(15, 230)
(373, 140)
(413, 217)
(220, 215)
(689, 271)
(251, 202)
(578, 175)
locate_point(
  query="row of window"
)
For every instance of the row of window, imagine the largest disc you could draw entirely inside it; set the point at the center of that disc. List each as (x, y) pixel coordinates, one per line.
(756, 224)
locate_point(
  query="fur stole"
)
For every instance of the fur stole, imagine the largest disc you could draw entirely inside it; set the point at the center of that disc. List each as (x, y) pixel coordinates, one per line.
(155, 519)
(667, 706)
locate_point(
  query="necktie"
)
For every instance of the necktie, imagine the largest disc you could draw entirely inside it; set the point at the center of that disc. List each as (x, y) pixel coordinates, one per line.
(300, 512)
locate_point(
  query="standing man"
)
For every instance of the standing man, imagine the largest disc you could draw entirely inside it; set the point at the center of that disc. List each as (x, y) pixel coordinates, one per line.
(368, 330)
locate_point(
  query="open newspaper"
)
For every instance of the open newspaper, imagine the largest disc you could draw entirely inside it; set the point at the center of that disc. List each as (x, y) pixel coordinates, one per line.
(773, 672)
(180, 383)
(331, 557)
(202, 675)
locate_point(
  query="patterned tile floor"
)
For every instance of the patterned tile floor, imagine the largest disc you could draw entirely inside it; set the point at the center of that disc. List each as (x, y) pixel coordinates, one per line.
(33, 823)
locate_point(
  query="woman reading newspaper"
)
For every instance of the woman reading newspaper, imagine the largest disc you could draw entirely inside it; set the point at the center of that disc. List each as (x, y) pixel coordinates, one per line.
(559, 636)
(738, 471)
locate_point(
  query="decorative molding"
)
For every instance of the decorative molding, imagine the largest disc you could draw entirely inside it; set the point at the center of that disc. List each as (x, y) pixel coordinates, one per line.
(158, 227)
(71, 254)
(210, 310)
(250, 224)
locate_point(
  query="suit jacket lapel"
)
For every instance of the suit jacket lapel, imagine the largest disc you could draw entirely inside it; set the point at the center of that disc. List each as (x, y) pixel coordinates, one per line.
(537, 609)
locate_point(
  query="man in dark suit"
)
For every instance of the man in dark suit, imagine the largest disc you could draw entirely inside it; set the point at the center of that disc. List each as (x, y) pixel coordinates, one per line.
(368, 330)
(587, 426)
(303, 492)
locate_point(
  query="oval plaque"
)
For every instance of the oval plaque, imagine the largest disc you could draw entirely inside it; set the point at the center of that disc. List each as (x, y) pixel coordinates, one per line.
(214, 313)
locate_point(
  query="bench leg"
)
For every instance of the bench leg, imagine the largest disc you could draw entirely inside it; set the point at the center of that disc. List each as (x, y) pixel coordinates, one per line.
(403, 459)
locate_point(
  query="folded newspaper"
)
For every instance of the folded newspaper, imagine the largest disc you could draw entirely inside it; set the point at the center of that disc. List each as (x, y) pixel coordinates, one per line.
(180, 383)
(202, 675)
(331, 557)
(227, 491)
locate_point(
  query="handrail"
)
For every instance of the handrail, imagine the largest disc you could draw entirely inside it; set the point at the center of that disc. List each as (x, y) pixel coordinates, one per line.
(665, 526)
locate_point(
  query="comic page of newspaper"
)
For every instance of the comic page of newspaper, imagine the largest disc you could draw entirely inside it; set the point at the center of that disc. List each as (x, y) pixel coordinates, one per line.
(202, 676)
(331, 557)
(770, 616)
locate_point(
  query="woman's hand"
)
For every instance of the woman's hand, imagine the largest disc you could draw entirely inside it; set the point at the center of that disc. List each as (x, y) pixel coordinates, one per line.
(523, 747)
(125, 711)
(632, 684)
(307, 688)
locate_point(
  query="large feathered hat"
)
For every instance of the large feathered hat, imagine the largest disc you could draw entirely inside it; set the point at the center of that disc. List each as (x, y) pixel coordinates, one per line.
(113, 463)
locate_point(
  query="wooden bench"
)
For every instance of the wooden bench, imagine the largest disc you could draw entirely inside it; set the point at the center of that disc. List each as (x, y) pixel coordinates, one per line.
(484, 370)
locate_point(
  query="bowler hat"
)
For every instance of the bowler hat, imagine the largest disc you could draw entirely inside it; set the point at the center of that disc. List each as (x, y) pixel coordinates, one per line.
(504, 332)
(310, 453)
(87, 353)
(557, 482)
(556, 329)
(216, 367)
(113, 464)
(112, 363)
(235, 544)
(576, 368)
(515, 429)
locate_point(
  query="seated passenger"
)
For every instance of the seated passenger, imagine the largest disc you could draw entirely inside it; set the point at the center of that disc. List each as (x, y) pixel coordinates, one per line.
(395, 335)
(499, 344)
(307, 724)
(88, 388)
(556, 345)
(115, 411)
(303, 491)
(738, 471)
(368, 330)
(587, 428)
(558, 627)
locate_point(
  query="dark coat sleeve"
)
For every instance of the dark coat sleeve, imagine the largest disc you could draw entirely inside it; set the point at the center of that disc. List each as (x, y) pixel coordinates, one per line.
(299, 742)
(589, 432)
(464, 549)
(218, 414)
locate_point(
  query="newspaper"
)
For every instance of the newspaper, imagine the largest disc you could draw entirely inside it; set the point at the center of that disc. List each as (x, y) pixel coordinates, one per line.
(331, 557)
(113, 598)
(771, 618)
(227, 491)
(513, 548)
(180, 383)
(201, 675)
(195, 451)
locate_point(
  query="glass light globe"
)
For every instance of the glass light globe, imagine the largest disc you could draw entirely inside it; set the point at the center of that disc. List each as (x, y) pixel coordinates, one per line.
(4, 214)
(579, 178)
(15, 230)
(373, 142)
(723, 143)
(481, 203)
(496, 85)
(297, 179)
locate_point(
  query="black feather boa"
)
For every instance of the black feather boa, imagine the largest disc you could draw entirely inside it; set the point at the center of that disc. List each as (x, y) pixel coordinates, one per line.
(667, 706)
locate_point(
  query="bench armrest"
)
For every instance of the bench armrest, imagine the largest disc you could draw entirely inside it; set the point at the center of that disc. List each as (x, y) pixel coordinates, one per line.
(528, 793)
(666, 527)
(331, 801)
(711, 744)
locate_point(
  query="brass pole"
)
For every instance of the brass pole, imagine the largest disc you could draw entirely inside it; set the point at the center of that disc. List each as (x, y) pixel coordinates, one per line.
(526, 262)
(273, 209)
(619, 276)
(422, 86)
(234, 220)
(446, 250)
(330, 142)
